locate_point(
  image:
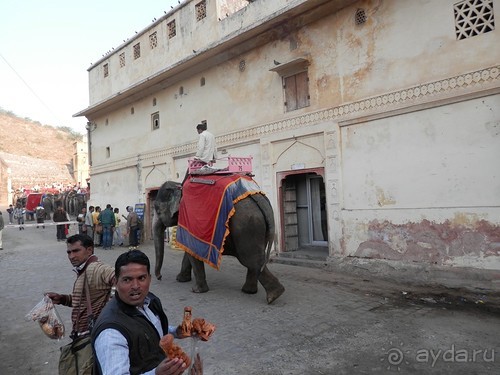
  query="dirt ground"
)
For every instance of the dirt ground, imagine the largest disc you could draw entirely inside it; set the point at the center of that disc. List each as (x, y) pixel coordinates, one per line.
(324, 323)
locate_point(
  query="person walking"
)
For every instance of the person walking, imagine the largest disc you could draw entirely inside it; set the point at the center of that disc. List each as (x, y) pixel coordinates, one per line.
(89, 222)
(40, 216)
(97, 226)
(92, 289)
(82, 228)
(19, 216)
(117, 234)
(107, 219)
(10, 210)
(132, 228)
(60, 217)
(133, 321)
(2, 225)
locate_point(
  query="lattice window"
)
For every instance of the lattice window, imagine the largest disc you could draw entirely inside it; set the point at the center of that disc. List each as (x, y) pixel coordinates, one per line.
(122, 59)
(106, 70)
(153, 40)
(473, 17)
(360, 17)
(137, 51)
(201, 10)
(171, 29)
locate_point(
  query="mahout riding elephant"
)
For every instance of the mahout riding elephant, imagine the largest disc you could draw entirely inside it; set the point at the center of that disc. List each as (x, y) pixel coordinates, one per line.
(250, 239)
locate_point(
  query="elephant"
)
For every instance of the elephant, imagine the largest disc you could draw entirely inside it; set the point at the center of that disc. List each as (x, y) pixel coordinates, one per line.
(251, 236)
(48, 205)
(71, 201)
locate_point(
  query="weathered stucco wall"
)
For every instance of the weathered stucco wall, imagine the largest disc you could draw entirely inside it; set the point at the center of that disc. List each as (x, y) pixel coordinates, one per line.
(425, 186)
(348, 62)
(192, 38)
(403, 118)
(427, 159)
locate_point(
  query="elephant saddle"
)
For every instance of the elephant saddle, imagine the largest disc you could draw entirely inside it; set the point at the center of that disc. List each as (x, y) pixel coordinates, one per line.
(206, 206)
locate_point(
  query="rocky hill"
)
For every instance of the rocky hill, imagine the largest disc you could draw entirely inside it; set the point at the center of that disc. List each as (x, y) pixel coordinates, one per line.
(33, 155)
(25, 137)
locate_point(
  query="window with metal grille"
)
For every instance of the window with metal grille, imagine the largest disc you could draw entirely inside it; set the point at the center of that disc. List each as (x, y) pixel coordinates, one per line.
(201, 10)
(137, 51)
(122, 59)
(153, 40)
(106, 70)
(155, 121)
(171, 29)
(296, 91)
(473, 17)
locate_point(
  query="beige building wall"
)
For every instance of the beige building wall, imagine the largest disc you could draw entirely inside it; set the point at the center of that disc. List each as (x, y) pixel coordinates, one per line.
(81, 162)
(402, 123)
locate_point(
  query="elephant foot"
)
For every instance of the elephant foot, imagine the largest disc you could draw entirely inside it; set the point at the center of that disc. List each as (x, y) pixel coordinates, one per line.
(183, 278)
(197, 289)
(249, 289)
(274, 294)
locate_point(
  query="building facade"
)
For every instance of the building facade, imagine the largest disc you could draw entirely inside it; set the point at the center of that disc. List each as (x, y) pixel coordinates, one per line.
(80, 162)
(374, 125)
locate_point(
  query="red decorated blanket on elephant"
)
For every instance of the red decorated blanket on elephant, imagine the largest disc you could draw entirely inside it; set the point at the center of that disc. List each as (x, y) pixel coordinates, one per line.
(206, 206)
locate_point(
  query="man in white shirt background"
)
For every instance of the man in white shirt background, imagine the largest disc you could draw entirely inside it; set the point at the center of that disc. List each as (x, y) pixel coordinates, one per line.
(207, 149)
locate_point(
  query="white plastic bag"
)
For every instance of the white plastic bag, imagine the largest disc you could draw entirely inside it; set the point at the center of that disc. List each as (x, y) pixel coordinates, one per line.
(47, 316)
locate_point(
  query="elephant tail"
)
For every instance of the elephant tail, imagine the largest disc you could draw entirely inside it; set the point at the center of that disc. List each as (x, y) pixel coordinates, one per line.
(267, 211)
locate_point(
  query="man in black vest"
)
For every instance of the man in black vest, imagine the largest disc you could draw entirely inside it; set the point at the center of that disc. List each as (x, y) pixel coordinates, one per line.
(127, 334)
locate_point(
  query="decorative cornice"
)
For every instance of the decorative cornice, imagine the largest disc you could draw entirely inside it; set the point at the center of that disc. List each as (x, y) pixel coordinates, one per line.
(469, 83)
(451, 89)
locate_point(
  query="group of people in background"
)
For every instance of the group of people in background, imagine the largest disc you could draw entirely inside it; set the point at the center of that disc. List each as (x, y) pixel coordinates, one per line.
(104, 226)
(17, 214)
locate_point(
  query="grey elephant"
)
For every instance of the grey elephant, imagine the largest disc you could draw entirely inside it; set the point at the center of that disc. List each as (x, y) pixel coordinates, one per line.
(251, 236)
(48, 205)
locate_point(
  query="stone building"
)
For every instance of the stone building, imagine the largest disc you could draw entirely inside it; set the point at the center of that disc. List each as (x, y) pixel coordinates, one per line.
(81, 162)
(374, 125)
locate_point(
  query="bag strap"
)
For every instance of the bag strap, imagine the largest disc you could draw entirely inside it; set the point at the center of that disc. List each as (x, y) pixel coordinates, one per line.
(90, 314)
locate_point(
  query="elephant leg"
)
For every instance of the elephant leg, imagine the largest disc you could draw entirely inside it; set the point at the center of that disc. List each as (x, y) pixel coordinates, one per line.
(199, 275)
(159, 240)
(185, 274)
(250, 286)
(271, 284)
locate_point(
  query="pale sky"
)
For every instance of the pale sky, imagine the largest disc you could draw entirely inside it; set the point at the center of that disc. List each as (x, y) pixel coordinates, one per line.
(47, 46)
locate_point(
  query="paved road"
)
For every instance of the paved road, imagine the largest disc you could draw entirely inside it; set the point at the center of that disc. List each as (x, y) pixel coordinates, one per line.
(324, 323)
